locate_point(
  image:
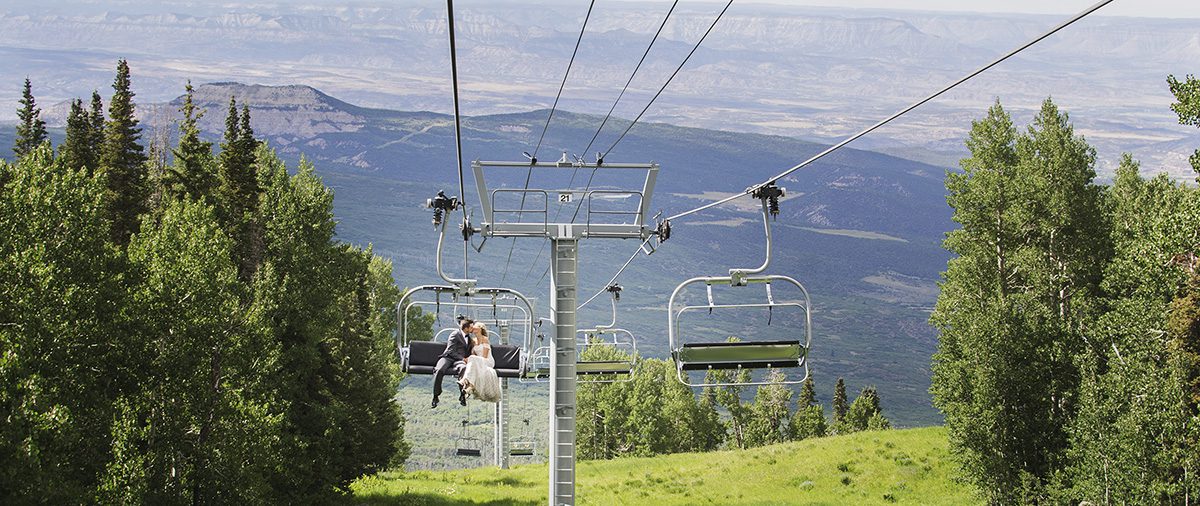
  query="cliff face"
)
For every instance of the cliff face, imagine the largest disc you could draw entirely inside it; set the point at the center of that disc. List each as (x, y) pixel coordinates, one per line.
(292, 111)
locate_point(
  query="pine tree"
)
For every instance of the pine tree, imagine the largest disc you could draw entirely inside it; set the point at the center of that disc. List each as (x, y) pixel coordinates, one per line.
(865, 413)
(76, 151)
(808, 394)
(31, 130)
(124, 159)
(95, 141)
(193, 172)
(840, 404)
(809, 423)
(232, 171)
(239, 183)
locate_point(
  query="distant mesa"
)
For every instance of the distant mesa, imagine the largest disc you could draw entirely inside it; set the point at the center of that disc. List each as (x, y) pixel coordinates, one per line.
(293, 111)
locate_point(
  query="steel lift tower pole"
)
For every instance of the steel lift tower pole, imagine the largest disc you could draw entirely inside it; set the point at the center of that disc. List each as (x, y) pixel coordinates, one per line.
(627, 223)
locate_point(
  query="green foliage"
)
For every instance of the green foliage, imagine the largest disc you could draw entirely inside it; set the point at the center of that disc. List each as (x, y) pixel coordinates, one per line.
(809, 422)
(808, 393)
(95, 137)
(238, 179)
(190, 364)
(1014, 302)
(770, 418)
(865, 413)
(60, 330)
(336, 377)
(124, 159)
(651, 415)
(194, 172)
(31, 129)
(239, 186)
(199, 428)
(1187, 107)
(1133, 440)
(77, 150)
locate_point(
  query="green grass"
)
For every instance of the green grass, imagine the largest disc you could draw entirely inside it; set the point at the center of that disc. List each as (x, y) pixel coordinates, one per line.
(909, 466)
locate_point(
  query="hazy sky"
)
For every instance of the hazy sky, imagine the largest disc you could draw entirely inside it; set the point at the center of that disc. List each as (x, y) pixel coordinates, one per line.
(1145, 8)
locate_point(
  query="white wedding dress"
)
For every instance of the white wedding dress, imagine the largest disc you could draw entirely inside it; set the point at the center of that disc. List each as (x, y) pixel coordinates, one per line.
(481, 376)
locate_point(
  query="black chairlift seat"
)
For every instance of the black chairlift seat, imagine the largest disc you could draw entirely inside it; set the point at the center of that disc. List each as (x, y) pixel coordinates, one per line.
(600, 367)
(468, 452)
(423, 358)
(739, 355)
(508, 360)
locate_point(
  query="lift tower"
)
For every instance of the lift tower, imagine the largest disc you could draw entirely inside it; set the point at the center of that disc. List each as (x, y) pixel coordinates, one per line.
(605, 214)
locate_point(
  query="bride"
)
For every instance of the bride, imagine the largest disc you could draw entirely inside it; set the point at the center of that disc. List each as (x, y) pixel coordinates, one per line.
(479, 379)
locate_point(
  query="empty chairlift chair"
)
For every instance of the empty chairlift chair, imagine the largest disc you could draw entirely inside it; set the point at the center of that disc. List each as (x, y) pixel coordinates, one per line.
(693, 351)
(524, 446)
(606, 354)
(467, 446)
(537, 363)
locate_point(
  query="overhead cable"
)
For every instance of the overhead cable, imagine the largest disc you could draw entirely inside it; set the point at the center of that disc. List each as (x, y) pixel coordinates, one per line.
(902, 112)
(614, 278)
(635, 120)
(462, 191)
(673, 74)
(850, 139)
(564, 79)
(631, 76)
(533, 157)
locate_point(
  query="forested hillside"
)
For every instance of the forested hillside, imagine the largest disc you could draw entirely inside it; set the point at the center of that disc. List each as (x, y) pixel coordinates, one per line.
(186, 331)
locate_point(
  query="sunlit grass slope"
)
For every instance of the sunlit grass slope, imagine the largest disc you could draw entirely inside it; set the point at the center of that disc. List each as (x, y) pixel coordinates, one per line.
(892, 467)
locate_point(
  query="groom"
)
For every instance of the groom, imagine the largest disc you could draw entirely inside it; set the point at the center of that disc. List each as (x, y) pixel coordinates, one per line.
(458, 346)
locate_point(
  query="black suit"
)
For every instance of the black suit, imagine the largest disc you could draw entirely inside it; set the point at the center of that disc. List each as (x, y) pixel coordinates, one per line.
(458, 347)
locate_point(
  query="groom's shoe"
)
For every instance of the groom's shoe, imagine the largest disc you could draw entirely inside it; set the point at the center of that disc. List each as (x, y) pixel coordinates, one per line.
(434, 403)
(462, 398)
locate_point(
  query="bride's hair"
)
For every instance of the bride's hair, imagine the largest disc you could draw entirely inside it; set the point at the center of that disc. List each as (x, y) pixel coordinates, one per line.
(483, 331)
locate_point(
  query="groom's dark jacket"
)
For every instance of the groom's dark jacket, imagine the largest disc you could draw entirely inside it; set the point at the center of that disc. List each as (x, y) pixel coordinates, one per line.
(458, 346)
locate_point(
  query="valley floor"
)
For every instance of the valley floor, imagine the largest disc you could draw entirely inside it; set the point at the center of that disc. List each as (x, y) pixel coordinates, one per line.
(909, 466)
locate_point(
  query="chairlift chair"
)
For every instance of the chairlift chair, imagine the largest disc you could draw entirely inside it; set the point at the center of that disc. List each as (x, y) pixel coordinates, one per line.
(691, 355)
(421, 357)
(537, 366)
(467, 446)
(524, 447)
(621, 340)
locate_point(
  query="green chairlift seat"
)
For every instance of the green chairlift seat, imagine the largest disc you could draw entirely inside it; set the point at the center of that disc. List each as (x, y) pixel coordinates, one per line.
(602, 367)
(739, 355)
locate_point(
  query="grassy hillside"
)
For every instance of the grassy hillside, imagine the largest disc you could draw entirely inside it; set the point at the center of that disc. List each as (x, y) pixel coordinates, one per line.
(902, 467)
